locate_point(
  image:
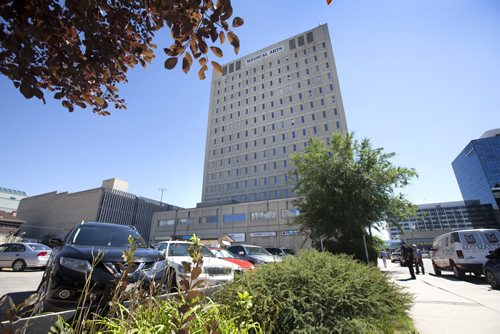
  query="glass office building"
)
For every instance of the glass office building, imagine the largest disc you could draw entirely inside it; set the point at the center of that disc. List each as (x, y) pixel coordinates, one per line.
(477, 168)
(448, 216)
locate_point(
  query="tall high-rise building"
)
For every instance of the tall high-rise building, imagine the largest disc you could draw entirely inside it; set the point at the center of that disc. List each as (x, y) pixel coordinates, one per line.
(477, 168)
(265, 106)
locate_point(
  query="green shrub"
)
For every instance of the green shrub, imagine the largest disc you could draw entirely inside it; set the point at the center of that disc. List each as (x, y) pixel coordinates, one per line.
(354, 247)
(321, 293)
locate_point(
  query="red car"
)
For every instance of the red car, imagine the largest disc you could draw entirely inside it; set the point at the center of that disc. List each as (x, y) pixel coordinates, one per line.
(225, 255)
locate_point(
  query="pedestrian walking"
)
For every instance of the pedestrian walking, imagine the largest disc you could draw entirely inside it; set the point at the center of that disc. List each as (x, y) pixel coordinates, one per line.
(408, 260)
(417, 256)
(384, 256)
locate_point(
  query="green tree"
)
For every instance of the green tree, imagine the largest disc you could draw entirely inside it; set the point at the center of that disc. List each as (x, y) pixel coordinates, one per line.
(346, 188)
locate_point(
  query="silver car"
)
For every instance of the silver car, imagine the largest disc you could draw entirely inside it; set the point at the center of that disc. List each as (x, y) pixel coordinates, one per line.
(22, 255)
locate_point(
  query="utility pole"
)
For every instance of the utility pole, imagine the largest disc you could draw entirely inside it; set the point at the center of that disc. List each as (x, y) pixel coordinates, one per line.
(161, 198)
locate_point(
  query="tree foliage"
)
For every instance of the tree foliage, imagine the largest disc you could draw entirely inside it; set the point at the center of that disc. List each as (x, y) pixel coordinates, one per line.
(348, 186)
(79, 50)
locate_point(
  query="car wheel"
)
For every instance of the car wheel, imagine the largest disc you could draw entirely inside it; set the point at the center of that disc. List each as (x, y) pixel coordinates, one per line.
(457, 272)
(19, 265)
(490, 277)
(437, 271)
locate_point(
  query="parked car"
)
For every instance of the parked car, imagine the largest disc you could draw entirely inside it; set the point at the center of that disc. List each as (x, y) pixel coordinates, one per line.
(214, 271)
(463, 251)
(96, 249)
(280, 251)
(22, 255)
(491, 269)
(254, 254)
(396, 257)
(225, 255)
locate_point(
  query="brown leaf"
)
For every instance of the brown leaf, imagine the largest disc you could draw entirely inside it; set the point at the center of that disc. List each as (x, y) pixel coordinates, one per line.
(328, 2)
(201, 74)
(68, 105)
(234, 41)
(26, 90)
(193, 46)
(217, 68)
(224, 25)
(195, 273)
(202, 46)
(216, 51)
(58, 95)
(228, 11)
(237, 22)
(192, 294)
(202, 61)
(98, 100)
(222, 37)
(170, 63)
(186, 62)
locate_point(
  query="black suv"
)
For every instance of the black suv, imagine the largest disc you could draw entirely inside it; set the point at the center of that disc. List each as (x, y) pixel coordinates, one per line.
(94, 249)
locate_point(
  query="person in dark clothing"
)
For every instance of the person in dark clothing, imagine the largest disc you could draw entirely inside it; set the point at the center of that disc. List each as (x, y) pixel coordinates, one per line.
(408, 259)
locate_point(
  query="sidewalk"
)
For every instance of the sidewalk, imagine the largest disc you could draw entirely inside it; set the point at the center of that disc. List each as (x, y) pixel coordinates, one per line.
(446, 305)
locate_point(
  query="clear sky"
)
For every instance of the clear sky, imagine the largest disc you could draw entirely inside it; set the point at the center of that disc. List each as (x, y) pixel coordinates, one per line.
(419, 78)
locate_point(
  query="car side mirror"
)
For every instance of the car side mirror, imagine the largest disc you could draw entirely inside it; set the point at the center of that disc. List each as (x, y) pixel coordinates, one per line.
(489, 256)
(241, 253)
(55, 242)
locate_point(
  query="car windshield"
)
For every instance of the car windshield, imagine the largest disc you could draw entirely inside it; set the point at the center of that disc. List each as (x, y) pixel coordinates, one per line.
(38, 247)
(222, 253)
(256, 251)
(181, 249)
(106, 236)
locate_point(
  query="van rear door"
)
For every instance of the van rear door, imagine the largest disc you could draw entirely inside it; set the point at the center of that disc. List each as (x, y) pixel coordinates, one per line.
(491, 239)
(477, 244)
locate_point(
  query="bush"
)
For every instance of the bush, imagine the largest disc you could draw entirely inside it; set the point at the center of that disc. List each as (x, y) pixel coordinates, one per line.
(321, 293)
(353, 247)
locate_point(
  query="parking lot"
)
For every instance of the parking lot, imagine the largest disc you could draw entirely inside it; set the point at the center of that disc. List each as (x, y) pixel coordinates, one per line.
(11, 281)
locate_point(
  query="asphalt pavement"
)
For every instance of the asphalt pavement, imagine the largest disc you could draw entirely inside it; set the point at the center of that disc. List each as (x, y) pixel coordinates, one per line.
(11, 281)
(444, 304)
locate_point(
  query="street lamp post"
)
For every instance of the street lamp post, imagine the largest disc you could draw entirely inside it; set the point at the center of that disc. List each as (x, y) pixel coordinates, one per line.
(161, 198)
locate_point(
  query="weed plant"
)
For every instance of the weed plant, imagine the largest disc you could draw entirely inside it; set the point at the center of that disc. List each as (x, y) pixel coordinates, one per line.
(142, 309)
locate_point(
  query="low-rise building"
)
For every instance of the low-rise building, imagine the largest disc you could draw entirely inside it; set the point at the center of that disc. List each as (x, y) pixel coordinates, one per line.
(263, 223)
(10, 198)
(55, 213)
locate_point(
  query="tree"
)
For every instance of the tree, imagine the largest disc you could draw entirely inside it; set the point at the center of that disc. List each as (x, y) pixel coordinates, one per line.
(79, 50)
(347, 187)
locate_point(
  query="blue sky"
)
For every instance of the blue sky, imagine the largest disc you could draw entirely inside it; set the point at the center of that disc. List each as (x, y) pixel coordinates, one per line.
(419, 78)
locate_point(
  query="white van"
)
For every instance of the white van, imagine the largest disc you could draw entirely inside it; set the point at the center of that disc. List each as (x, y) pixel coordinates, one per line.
(463, 251)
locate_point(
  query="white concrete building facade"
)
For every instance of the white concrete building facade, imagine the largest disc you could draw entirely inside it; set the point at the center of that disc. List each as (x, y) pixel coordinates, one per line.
(265, 106)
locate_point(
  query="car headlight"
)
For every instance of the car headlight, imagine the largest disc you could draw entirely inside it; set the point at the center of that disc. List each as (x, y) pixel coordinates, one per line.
(82, 266)
(159, 266)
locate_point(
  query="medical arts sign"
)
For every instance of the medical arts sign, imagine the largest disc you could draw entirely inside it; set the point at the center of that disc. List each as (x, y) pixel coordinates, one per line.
(265, 54)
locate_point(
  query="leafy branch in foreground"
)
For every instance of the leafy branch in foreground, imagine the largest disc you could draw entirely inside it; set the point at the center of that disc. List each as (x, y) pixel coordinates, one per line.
(80, 50)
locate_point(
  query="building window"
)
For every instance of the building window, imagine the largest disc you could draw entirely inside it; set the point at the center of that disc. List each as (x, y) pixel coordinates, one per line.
(166, 222)
(233, 218)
